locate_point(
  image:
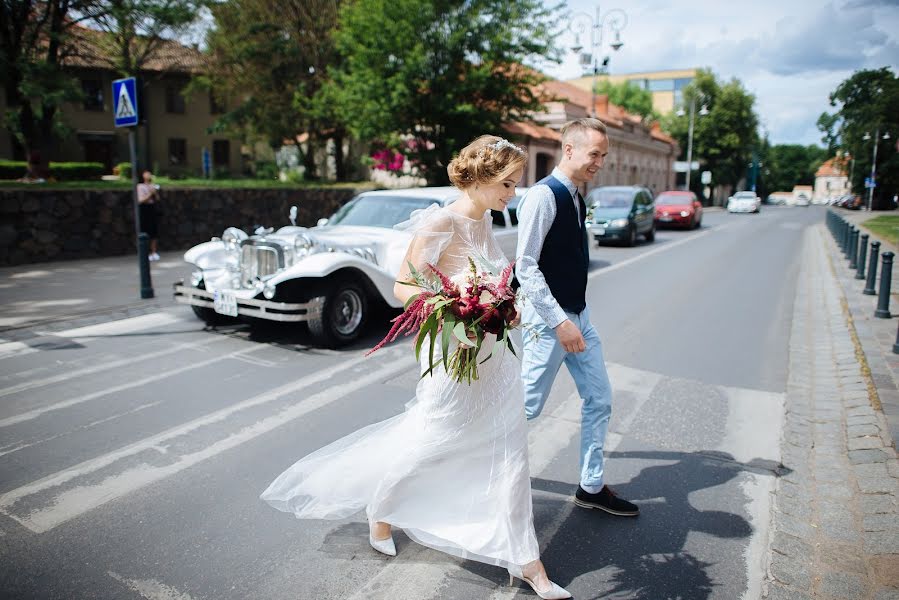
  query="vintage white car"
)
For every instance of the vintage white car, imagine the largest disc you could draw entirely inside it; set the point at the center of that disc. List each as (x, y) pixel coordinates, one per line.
(331, 276)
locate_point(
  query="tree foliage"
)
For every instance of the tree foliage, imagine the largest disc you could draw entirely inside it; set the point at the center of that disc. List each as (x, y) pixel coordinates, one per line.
(270, 63)
(724, 139)
(867, 103)
(34, 38)
(629, 96)
(136, 29)
(438, 73)
(788, 165)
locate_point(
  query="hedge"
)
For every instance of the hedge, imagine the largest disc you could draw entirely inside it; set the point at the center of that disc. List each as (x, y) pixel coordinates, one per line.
(60, 171)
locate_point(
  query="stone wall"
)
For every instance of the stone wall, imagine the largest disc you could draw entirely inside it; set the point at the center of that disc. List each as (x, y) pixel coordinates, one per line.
(43, 225)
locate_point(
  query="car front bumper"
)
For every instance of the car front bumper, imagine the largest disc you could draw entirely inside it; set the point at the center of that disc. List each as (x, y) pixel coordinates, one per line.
(742, 209)
(673, 220)
(234, 306)
(601, 234)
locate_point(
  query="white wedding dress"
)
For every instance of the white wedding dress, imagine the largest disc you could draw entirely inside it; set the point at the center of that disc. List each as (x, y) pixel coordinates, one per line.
(452, 470)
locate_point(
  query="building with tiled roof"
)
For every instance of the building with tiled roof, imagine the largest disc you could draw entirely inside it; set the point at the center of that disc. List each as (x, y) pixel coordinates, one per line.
(640, 153)
(831, 180)
(175, 133)
(666, 87)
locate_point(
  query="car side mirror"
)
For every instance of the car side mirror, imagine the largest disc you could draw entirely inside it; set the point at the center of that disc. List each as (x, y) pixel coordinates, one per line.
(322, 221)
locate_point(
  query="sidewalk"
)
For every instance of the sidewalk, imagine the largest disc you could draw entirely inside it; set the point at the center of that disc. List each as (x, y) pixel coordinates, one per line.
(835, 526)
(82, 292)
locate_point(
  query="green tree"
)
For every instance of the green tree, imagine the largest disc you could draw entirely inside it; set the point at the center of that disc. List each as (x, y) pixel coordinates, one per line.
(629, 96)
(34, 43)
(137, 29)
(788, 165)
(866, 104)
(270, 62)
(438, 72)
(723, 140)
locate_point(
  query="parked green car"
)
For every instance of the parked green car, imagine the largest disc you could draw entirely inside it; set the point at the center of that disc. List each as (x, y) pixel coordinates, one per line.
(621, 214)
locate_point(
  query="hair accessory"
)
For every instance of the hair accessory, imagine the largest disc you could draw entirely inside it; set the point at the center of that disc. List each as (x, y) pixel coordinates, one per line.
(504, 143)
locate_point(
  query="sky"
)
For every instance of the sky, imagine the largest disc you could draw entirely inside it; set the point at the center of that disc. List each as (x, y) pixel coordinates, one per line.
(790, 54)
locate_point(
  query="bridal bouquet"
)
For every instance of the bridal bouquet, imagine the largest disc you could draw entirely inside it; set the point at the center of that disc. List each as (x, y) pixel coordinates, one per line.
(460, 311)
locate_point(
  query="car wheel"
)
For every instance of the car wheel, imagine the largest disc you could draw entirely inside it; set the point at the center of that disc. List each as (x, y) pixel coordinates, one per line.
(343, 316)
(632, 236)
(210, 317)
(651, 235)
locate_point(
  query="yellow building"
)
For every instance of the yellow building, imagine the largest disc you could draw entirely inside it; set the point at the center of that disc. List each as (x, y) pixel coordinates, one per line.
(666, 86)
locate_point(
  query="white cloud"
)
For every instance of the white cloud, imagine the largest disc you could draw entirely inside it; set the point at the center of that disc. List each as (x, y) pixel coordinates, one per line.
(791, 55)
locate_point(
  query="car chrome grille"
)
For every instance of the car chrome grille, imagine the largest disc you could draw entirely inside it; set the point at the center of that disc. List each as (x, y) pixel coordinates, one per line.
(259, 259)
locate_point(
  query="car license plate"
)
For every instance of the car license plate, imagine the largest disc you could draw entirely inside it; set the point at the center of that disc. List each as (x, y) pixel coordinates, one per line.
(225, 303)
(665, 219)
(599, 230)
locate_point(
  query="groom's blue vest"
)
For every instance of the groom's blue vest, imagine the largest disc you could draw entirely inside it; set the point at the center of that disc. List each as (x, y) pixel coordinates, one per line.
(565, 255)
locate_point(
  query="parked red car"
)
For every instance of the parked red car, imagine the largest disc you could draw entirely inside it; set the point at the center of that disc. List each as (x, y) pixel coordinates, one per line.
(678, 209)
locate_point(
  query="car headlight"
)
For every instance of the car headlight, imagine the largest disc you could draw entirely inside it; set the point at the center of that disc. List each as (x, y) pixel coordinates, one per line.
(196, 278)
(303, 244)
(684, 213)
(269, 291)
(232, 239)
(618, 223)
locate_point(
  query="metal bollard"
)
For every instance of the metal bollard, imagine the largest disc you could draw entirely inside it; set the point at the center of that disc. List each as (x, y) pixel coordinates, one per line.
(143, 262)
(862, 255)
(896, 344)
(853, 247)
(872, 271)
(846, 229)
(883, 298)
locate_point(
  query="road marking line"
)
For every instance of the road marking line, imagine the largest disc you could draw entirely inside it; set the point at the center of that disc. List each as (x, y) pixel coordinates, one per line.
(36, 383)
(150, 588)
(75, 501)
(120, 327)
(37, 412)
(11, 349)
(662, 248)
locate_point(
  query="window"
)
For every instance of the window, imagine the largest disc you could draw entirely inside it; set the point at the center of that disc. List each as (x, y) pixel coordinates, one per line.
(680, 84)
(174, 101)
(215, 107)
(221, 153)
(661, 85)
(177, 151)
(93, 94)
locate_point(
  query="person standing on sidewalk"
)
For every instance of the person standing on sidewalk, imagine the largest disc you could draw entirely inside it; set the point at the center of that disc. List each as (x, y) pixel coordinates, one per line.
(551, 264)
(147, 197)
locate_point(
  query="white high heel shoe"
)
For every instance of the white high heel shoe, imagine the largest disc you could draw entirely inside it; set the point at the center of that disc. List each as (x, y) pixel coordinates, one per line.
(553, 593)
(385, 546)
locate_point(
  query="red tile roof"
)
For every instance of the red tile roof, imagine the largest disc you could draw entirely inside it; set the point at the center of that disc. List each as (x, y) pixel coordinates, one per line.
(832, 167)
(88, 50)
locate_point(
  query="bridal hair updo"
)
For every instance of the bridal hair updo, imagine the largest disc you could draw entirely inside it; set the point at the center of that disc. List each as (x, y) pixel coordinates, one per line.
(486, 160)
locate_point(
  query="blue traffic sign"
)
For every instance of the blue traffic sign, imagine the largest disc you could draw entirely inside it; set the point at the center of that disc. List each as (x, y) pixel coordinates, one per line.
(870, 183)
(124, 102)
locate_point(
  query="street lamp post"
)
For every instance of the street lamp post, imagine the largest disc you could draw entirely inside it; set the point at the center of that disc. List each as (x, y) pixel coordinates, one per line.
(703, 111)
(616, 19)
(873, 182)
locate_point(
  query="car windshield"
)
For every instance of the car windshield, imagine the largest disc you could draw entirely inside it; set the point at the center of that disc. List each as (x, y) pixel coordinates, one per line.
(744, 196)
(610, 198)
(668, 199)
(378, 211)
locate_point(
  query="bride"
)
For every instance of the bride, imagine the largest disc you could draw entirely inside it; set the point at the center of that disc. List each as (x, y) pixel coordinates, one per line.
(452, 470)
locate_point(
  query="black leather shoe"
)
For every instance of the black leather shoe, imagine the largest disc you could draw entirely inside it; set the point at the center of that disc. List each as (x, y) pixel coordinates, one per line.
(606, 500)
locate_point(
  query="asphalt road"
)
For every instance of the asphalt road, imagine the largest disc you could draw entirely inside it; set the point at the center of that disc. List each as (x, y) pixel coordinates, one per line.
(132, 453)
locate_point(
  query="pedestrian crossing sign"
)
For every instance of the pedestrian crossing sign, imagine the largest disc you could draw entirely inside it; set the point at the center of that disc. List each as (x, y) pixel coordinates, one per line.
(124, 102)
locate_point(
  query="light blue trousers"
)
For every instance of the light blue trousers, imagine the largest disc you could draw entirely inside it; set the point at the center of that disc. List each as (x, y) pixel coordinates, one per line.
(542, 357)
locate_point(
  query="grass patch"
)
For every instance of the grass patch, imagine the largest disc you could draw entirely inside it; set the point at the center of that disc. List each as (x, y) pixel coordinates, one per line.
(886, 227)
(197, 183)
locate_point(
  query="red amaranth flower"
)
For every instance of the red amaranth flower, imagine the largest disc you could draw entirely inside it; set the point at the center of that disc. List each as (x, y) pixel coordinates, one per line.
(409, 321)
(449, 288)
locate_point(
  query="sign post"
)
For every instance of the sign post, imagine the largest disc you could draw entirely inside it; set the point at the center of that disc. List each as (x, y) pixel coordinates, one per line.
(125, 113)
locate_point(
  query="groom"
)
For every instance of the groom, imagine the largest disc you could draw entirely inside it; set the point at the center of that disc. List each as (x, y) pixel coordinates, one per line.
(551, 264)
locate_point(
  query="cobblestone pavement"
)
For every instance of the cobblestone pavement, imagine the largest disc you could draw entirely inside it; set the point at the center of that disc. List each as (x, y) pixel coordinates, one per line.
(835, 530)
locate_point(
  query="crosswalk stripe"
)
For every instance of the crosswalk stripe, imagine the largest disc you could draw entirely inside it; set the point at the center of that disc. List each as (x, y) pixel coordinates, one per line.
(189, 366)
(121, 326)
(69, 503)
(98, 368)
